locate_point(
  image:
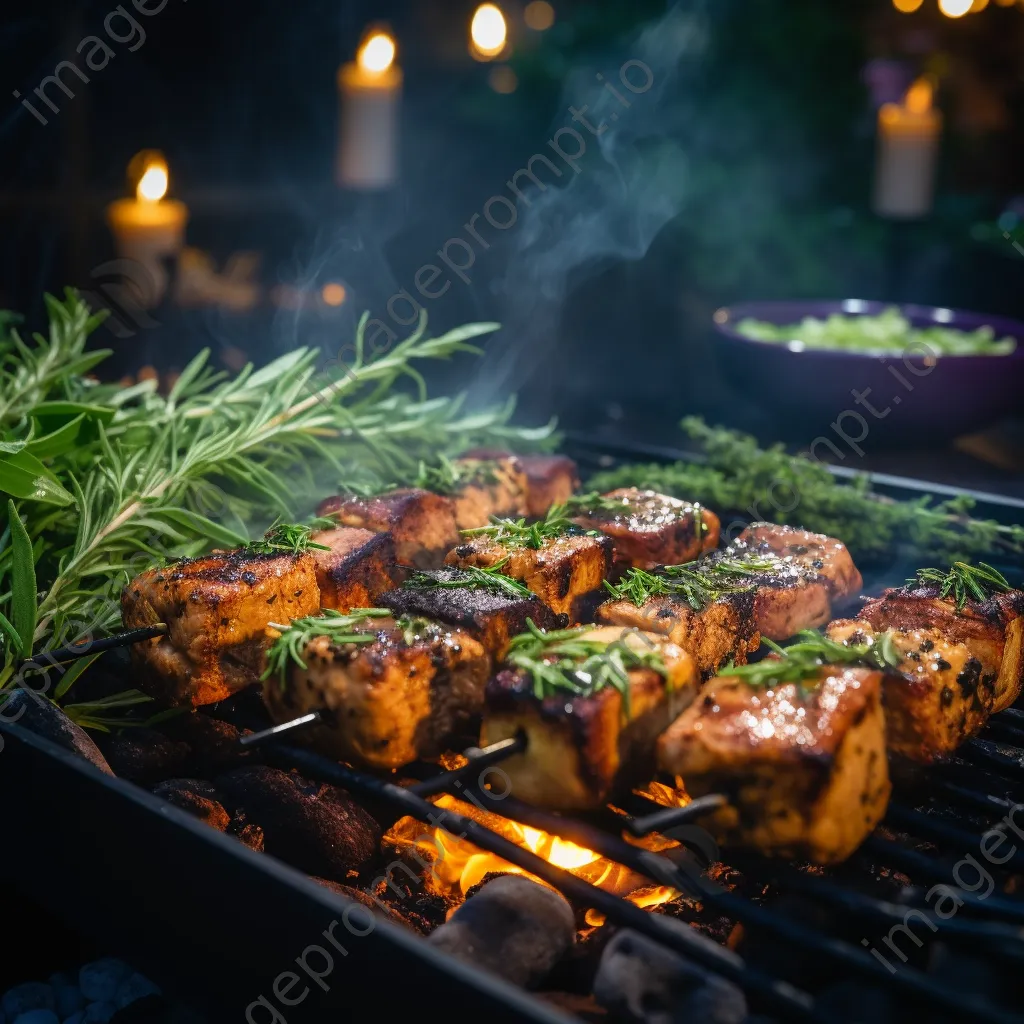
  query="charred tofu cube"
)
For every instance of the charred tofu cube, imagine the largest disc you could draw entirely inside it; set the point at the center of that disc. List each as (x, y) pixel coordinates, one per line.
(935, 699)
(422, 524)
(561, 571)
(217, 609)
(814, 553)
(650, 529)
(487, 485)
(356, 569)
(550, 480)
(802, 765)
(409, 694)
(992, 630)
(492, 617)
(584, 747)
(723, 631)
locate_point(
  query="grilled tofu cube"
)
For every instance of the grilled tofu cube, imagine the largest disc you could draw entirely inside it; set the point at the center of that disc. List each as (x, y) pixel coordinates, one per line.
(815, 553)
(422, 524)
(561, 572)
(725, 630)
(358, 567)
(653, 529)
(935, 699)
(803, 766)
(491, 484)
(550, 480)
(409, 694)
(581, 750)
(493, 618)
(992, 630)
(217, 609)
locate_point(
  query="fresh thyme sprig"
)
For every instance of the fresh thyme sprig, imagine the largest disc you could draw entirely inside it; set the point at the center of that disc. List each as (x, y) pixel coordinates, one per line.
(289, 646)
(699, 583)
(491, 579)
(803, 659)
(564, 662)
(733, 474)
(964, 581)
(291, 538)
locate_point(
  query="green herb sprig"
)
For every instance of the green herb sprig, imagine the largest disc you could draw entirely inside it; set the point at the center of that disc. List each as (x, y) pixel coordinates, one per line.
(803, 659)
(964, 581)
(588, 503)
(448, 476)
(288, 648)
(733, 474)
(561, 662)
(491, 579)
(291, 538)
(699, 583)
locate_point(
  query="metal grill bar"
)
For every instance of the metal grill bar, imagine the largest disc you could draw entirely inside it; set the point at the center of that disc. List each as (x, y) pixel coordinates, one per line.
(934, 828)
(776, 994)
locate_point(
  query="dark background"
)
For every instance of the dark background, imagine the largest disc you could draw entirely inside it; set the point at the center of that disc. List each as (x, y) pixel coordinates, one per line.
(744, 173)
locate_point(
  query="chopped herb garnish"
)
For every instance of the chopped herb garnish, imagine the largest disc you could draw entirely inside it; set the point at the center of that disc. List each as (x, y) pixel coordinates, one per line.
(414, 627)
(964, 581)
(590, 503)
(291, 538)
(491, 579)
(353, 627)
(699, 583)
(563, 662)
(803, 660)
(450, 475)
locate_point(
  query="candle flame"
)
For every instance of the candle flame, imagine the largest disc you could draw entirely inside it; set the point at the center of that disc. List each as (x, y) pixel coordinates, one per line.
(919, 97)
(488, 32)
(377, 54)
(152, 186)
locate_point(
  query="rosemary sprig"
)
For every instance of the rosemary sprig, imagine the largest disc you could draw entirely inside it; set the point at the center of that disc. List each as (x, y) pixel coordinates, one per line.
(518, 533)
(491, 579)
(107, 480)
(964, 581)
(289, 646)
(768, 483)
(592, 502)
(803, 659)
(291, 538)
(563, 662)
(699, 583)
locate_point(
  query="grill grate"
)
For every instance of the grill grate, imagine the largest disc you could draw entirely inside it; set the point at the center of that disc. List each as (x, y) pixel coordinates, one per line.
(989, 923)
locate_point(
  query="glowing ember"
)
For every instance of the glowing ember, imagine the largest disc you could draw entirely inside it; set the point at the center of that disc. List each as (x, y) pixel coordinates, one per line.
(452, 866)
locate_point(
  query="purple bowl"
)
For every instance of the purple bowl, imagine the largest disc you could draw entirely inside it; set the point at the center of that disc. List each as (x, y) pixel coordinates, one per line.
(910, 398)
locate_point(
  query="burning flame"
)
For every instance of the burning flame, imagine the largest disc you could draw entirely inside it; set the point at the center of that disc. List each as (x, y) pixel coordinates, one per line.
(152, 184)
(488, 32)
(955, 8)
(453, 866)
(377, 54)
(919, 97)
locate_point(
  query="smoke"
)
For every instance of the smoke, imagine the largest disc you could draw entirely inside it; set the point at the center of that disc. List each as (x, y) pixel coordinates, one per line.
(631, 183)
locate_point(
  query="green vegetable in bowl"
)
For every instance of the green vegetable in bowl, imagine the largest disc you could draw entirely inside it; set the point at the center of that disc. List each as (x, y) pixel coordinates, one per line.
(888, 332)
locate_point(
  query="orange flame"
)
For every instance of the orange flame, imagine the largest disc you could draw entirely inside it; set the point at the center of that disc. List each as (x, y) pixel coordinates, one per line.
(452, 866)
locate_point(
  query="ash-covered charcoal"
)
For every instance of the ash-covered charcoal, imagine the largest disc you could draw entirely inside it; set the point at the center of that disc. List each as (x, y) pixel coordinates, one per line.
(44, 718)
(214, 743)
(512, 927)
(246, 832)
(144, 756)
(316, 827)
(642, 982)
(378, 907)
(198, 798)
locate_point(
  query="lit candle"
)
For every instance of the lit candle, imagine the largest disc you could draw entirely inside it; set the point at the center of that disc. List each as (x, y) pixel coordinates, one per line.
(908, 151)
(371, 90)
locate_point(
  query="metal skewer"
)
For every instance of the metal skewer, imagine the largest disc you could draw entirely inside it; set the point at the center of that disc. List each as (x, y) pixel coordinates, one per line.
(107, 643)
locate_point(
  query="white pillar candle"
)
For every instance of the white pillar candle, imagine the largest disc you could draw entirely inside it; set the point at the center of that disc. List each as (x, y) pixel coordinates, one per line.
(150, 226)
(370, 90)
(908, 152)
